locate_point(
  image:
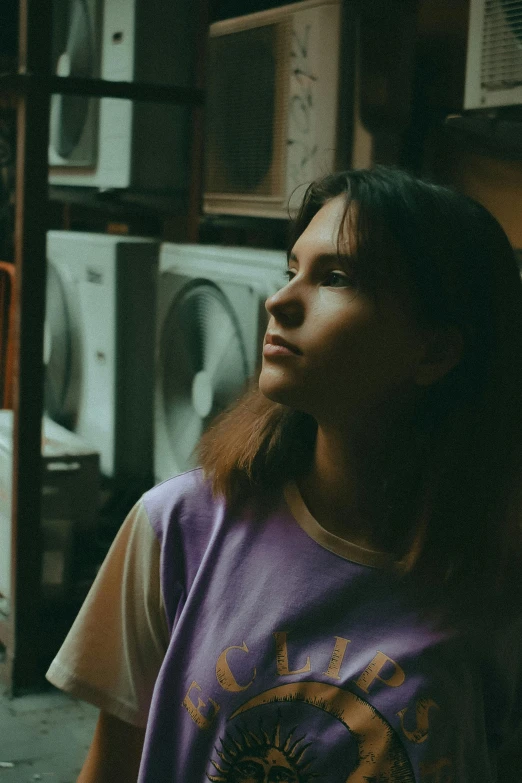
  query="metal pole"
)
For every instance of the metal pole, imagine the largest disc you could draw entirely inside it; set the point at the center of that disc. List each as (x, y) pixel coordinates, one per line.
(30, 259)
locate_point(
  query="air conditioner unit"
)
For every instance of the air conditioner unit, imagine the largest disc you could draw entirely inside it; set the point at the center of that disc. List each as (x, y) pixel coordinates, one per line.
(99, 345)
(70, 487)
(272, 106)
(494, 59)
(211, 321)
(115, 143)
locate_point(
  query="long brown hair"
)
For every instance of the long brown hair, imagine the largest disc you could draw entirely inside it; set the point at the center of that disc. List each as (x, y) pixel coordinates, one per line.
(460, 490)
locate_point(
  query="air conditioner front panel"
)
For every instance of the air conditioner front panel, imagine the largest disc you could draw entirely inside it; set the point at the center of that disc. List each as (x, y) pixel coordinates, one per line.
(88, 273)
(74, 119)
(241, 304)
(494, 62)
(203, 364)
(246, 110)
(277, 130)
(124, 144)
(254, 270)
(260, 269)
(238, 280)
(109, 288)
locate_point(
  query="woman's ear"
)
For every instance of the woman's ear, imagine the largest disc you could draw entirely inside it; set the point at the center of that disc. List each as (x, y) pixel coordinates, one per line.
(444, 348)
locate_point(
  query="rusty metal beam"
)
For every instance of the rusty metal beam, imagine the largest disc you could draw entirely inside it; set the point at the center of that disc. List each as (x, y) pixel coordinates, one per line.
(30, 235)
(21, 83)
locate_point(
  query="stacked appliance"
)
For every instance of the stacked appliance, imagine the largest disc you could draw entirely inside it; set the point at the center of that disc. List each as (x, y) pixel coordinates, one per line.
(494, 56)
(274, 106)
(70, 484)
(146, 344)
(211, 321)
(114, 143)
(99, 345)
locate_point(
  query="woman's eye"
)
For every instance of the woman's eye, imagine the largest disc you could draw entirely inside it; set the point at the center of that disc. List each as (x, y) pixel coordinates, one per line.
(339, 280)
(331, 280)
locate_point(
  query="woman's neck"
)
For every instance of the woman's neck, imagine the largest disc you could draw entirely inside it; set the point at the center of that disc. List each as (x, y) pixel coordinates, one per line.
(346, 487)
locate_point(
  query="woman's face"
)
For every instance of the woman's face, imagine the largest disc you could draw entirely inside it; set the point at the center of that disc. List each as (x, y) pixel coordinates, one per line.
(347, 352)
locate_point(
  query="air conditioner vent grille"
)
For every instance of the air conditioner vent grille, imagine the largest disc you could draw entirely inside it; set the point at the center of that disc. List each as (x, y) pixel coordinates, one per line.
(246, 118)
(501, 60)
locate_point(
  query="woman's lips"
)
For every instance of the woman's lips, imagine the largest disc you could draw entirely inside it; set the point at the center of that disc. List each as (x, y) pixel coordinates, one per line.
(277, 350)
(277, 346)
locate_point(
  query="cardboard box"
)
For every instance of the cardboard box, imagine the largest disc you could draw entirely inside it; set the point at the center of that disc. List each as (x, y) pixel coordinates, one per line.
(70, 491)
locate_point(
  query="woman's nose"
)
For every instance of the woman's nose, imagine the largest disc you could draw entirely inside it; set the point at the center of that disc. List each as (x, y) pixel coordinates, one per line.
(286, 305)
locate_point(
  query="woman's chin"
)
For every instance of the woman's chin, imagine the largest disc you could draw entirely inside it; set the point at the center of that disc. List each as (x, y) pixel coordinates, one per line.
(279, 389)
(272, 387)
(272, 392)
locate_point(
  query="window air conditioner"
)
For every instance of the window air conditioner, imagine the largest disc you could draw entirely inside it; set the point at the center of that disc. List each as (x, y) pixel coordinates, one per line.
(494, 60)
(272, 106)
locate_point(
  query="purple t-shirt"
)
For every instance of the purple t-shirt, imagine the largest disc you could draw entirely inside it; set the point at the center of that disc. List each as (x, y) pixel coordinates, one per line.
(297, 657)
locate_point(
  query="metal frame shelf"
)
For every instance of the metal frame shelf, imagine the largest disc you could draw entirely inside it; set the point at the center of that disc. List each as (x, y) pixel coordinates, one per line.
(31, 88)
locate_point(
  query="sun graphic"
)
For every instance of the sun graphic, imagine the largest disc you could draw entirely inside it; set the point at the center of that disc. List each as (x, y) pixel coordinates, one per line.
(250, 757)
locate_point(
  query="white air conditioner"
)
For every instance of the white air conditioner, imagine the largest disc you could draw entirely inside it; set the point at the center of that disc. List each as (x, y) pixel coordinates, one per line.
(211, 321)
(115, 143)
(69, 491)
(99, 345)
(494, 59)
(272, 106)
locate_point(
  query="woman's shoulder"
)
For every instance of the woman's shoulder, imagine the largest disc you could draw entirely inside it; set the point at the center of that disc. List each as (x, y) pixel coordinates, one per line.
(187, 496)
(185, 487)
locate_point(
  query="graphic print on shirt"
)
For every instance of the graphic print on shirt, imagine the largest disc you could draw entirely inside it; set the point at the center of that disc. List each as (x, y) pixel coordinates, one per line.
(251, 755)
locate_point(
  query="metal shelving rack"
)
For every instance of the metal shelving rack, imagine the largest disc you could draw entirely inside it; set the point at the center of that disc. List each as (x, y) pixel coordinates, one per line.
(31, 87)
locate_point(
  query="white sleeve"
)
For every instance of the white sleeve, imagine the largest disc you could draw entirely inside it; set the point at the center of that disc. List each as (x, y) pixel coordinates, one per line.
(113, 652)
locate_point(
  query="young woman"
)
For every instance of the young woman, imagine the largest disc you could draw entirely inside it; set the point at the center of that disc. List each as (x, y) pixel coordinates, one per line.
(335, 595)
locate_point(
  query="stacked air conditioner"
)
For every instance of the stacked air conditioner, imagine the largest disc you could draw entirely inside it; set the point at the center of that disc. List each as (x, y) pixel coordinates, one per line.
(145, 345)
(99, 345)
(494, 61)
(272, 107)
(113, 143)
(211, 321)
